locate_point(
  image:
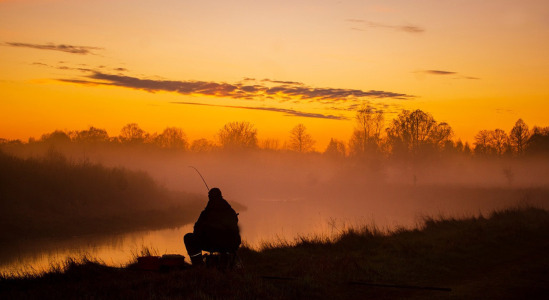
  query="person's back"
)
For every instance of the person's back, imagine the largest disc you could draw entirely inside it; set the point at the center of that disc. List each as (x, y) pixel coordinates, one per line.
(216, 230)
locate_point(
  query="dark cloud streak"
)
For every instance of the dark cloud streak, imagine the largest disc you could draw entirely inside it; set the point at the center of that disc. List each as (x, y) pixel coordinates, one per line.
(83, 50)
(446, 73)
(64, 67)
(439, 72)
(287, 112)
(282, 82)
(284, 92)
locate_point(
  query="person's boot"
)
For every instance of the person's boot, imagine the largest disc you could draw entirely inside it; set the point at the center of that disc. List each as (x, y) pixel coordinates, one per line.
(197, 260)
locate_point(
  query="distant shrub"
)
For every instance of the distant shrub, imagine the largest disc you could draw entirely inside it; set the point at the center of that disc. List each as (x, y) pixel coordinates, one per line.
(54, 196)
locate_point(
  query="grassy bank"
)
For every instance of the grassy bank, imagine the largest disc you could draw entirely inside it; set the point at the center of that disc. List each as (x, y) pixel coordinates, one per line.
(503, 256)
(52, 196)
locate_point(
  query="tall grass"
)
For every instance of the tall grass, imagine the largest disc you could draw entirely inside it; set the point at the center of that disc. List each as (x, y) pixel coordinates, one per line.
(500, 256)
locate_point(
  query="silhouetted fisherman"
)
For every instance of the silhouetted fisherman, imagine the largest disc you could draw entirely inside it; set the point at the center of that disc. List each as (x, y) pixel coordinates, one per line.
(216, 230)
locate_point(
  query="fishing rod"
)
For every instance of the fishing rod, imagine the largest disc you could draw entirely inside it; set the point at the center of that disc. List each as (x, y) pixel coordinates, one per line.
(208, 188)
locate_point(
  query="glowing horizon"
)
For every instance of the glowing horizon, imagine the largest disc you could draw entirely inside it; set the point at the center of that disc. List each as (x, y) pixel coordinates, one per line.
(69, 65)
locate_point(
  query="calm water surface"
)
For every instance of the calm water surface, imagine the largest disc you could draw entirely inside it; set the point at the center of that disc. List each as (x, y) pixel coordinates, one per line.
(265, 220)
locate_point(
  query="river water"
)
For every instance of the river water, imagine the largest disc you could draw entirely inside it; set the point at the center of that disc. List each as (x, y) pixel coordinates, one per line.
(270, 220)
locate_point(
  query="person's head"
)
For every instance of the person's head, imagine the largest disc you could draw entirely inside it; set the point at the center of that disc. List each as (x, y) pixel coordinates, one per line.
(214, 193)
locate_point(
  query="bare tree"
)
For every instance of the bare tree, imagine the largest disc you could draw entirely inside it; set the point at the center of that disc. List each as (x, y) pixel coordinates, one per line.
(238, 135)
(172, 138)
(202, 145)
(441, 135)
(499, 141)
(467, 149)
(300, 140)
(56, 137)
(92, 135)
(335, 148)
(270, 144)
(132, 133)
(367, 134)
(518, 137)
(538, 143)
(482, 143)
(412, 131)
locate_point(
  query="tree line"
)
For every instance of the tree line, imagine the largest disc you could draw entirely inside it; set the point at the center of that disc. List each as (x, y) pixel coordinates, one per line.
(409, 134)
(414, 133)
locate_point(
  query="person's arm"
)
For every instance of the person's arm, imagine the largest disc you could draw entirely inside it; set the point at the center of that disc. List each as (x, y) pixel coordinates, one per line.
(199, 225)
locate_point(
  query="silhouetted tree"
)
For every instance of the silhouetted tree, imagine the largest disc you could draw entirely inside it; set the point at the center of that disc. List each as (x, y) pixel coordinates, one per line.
(335, 148)
(238, 135)
(270, 144)
(441, 135)
(538, 143)
(459, 145)
(92, 135)
(467, 149)
(132, 133)
(367, 133)
(491, 142)
(172, 138)
(482, 143)
(300, 140)
(202, 145)
(518, 137)
(499, 141)
(56, 137)
(10, 142)
(417, 130)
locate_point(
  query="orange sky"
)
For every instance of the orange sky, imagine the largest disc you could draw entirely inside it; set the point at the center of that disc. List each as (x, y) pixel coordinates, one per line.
(200, 64)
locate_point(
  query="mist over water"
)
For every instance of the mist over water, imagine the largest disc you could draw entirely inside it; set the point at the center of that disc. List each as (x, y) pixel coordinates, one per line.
(291, 195)
(286, 195)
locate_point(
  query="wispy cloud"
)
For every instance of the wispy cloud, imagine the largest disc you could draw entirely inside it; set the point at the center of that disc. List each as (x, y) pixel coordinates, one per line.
(506, 111)
(438, 72)
(61, 67)
(369, 24)
(287, 112)
(282, 82)
(456, 75)
(276, 91)
(81, 67)
(269, 89)
(83, 50)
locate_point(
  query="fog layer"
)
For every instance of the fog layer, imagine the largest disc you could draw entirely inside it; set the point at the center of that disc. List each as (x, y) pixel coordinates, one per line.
(289, 194)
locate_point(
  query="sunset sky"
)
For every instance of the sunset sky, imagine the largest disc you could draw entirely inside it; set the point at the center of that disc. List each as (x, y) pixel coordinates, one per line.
(71, 64)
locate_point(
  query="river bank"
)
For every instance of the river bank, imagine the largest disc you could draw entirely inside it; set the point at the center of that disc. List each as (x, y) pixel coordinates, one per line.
(502, 256)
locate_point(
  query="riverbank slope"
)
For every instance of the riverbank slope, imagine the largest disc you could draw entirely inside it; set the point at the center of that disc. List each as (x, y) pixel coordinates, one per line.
(503, 256)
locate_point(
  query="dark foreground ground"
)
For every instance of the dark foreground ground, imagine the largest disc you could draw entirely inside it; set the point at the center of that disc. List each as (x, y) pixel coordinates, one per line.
(504, 256)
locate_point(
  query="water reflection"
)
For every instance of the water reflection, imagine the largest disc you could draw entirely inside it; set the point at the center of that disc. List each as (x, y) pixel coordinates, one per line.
(115, 250)
(270, 219)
